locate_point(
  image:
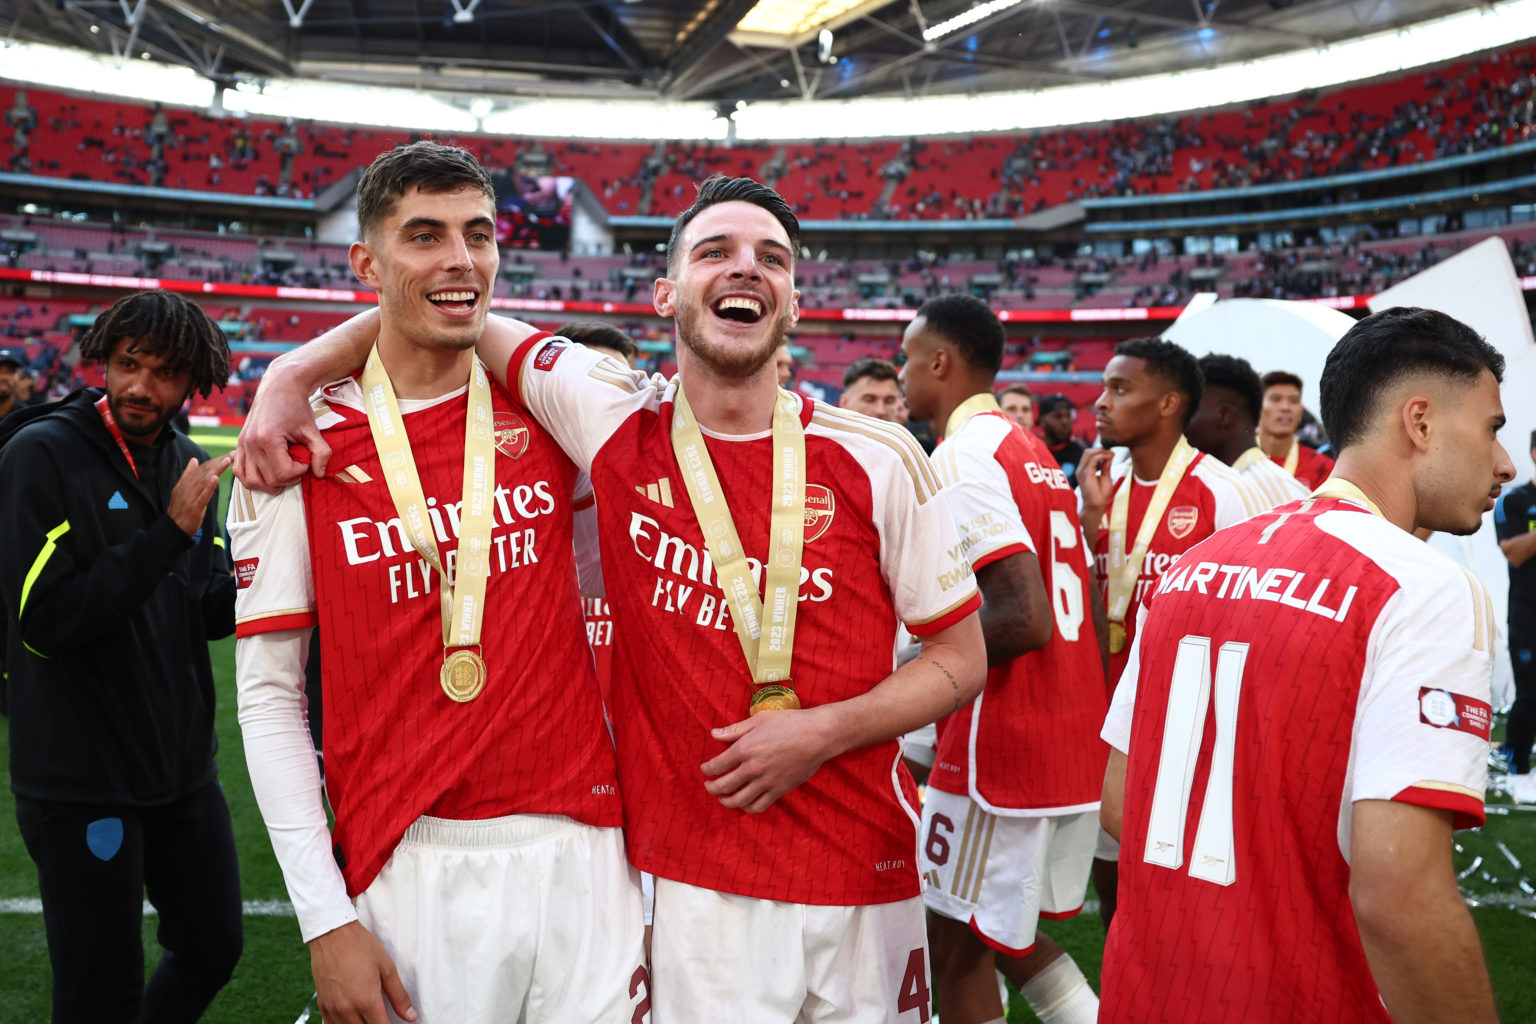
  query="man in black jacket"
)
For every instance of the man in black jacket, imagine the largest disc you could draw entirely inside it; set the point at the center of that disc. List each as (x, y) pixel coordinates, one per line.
(113, 578)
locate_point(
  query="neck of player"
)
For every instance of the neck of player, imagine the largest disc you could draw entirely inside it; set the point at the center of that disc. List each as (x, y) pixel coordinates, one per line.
(1276, 446)
(729, 405)
(950, 399)
(1150, 456)
(1387, 486)
(1237, 442)
(423, 370)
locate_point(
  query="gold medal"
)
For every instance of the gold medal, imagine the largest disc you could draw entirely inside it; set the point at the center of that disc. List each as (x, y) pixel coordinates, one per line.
(1116, 638)
(774, 697)
(463, 675)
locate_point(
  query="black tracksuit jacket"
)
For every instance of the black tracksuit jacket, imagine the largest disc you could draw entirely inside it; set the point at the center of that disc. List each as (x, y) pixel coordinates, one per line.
(108, 610)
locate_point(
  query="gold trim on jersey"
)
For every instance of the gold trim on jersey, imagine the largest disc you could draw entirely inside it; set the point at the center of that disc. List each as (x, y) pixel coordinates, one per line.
(624, 382)
(242, 504)
(1482, 613)
(279, 613)
(1338, 487)
(924, 480)
(977, 403)
(1449, 787)
(1248, 458)
(660, 492)
(354, 474)
(979, 866)
(947, 611)
(956, 883)
(1293, 457)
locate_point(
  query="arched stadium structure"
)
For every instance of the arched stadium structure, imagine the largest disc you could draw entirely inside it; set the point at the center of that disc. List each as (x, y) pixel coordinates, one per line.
(1079, 234)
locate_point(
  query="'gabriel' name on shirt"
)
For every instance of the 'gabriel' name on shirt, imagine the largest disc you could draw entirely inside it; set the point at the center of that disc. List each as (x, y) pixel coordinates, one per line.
(679, 558)
(367, 540)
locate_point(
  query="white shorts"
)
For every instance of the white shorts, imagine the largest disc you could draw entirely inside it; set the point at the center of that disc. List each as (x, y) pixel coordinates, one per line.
(921, 745)
(717, 957)
(1107, 848)
(526, 918)
(1002, 874)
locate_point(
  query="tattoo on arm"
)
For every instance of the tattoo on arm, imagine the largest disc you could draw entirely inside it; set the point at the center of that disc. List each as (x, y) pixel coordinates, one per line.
(953, 682)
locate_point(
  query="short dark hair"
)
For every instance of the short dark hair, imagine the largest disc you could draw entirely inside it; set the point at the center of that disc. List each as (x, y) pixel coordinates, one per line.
(869, 366)
(970, 325)
(424, 165)
(1386, 348)
(1171, 362)
(595, 332)
(716, 189)
(1050, 403)
(168, 326)
(1018, 389)
(1274, 377)
(1237, 376)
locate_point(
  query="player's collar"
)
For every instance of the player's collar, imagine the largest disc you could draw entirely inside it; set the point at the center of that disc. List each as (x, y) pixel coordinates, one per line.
(982, 402)
(1338, 487)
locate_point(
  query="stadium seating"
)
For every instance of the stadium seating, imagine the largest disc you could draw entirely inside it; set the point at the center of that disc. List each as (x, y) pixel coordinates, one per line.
(1463, 107)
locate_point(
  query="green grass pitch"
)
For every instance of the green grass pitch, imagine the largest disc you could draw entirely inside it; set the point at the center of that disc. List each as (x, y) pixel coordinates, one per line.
(272, 983)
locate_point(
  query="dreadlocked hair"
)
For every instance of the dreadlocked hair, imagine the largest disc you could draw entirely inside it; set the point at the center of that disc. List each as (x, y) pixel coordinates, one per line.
(166, 325)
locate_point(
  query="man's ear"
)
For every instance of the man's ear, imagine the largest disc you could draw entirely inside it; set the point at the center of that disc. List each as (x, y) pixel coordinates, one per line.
(361, 259)
(1417, 414)
(664, 297)
(794, 307)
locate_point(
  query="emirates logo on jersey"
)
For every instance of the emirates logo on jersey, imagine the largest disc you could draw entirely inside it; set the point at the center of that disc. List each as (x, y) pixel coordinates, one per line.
(511, 434)
(819, 509)
(1182, 520)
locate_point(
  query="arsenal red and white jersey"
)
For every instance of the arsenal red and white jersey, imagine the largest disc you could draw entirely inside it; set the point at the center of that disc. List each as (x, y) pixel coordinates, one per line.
(599, 616)
(332, 553)
(1209, 498)
(1309, 658)
(1312, 466)
(880, 548)
(1271, 483)
(1028, 745)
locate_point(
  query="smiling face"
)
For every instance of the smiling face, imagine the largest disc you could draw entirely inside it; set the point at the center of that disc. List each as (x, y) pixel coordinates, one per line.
(732, 290)
(432, 259)
(143, 391)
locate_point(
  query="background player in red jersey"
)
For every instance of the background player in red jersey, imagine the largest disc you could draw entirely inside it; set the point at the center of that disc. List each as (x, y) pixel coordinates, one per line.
(1018, 771)
(1290, 859)
(1278, 423)
(1224, 425)
(1169, 498)
(476, 830)
(817, 878)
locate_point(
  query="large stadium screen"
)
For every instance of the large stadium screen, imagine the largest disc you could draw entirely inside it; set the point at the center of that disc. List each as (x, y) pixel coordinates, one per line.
(533, 212)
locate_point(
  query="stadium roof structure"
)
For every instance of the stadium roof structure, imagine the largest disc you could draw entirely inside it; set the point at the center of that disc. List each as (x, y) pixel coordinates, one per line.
(719, 51)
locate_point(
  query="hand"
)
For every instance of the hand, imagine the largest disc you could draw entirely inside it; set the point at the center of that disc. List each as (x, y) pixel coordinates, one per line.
(279, 416)
(190, 496)
(353, 974)
(1094, 480)
(769, 754)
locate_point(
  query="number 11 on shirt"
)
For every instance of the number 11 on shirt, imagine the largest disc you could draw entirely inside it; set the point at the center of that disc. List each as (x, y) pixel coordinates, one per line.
(1189, 698)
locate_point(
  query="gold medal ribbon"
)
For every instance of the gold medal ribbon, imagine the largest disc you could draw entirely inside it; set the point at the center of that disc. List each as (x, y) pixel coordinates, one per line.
(971, 406)
(1338, 487)
(1125, 571)
(1293, 457)
(462, 599)
(765, 626)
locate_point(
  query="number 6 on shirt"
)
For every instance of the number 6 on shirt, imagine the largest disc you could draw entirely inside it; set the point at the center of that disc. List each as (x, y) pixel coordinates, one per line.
(1066, 584)
(1189, 698)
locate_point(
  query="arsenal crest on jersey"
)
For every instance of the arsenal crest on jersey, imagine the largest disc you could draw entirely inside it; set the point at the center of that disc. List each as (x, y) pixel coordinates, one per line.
(819, 507)
(1182, 520)
(511, 434)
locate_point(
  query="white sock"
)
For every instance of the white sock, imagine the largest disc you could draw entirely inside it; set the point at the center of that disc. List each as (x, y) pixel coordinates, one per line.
(1060, 994)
